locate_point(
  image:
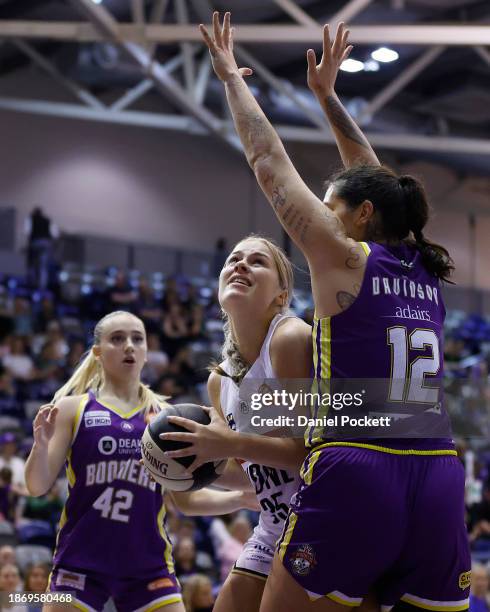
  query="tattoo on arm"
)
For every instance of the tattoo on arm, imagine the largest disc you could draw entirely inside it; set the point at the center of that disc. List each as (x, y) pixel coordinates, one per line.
(354, 260)
(345, 299)
(341, 120)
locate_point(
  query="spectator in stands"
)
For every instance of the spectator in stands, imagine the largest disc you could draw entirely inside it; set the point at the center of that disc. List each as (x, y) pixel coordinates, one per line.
(10, 459)
(187, 561)
(168, 386)
(121, 295)
(220, 254)
(182, 367)
(8, 498)
(479, 596)
(36, 578)
(148, 308)
(45, 508)
(480, 518)
(191, 298)
(171, 295)
(175, 330)
(44, 315)
(157, 360)
(8, 402)
(228, 541)
(196, 323)
(41, 232)
(18, 361)
(7, 555)
(76, 351)
(10, 582)
(22, 317)
(198, 594)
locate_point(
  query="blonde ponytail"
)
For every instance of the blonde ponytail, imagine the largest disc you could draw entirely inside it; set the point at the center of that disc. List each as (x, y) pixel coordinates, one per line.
(89, 376)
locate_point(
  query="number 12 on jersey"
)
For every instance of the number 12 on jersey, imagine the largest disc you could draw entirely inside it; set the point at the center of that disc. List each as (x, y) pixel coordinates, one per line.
(408, 378)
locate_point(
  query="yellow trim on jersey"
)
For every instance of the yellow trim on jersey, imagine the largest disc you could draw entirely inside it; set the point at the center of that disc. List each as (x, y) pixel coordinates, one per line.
(366, 248)
(339, 598)
(70, 473)
(322, 386)
(169, 561)
(161, 604)
(307, 475)
(78, 604)
(387, 449)
(251, 574)
(118, 411)
(78, 416)
(288, 534)
(436, 606)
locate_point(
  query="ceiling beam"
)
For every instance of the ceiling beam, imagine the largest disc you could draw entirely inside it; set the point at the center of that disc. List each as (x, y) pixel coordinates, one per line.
(77, 90)
(402, 142)
(349, 11)
(398, 83)
(449, 35)
(296, 12)
(164, 82)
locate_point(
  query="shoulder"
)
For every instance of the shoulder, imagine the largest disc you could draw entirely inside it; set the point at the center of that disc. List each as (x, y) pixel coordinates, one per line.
(68, 406)
(291, 349)
(214, 389)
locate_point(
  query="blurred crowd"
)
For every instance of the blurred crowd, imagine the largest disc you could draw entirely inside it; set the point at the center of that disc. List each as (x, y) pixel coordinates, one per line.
(42, 338)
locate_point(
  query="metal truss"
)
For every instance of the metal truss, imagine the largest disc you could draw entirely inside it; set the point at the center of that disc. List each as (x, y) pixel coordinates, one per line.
(139, 39)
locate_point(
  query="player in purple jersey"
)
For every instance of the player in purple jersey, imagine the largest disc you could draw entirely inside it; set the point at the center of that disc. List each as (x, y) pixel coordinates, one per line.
(112, 540)
(255, 291)
(384, 517)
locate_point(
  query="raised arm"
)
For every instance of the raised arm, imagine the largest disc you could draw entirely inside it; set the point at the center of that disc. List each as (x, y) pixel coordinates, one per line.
(353, 146)
(312, 226)
(52, 438)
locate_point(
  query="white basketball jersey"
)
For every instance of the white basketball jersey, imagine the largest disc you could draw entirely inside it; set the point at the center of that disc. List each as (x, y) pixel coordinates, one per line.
(274, 487)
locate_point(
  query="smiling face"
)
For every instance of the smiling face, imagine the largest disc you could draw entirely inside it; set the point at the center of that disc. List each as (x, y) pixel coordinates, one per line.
(122, 346)
(250, 279)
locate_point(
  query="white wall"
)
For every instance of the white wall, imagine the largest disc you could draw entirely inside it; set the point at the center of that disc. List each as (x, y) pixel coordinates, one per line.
(170, 188)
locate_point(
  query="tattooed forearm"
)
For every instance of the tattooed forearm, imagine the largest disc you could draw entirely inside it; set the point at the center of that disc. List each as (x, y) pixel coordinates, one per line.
(345, 299)
(341, 120)
(278, 197)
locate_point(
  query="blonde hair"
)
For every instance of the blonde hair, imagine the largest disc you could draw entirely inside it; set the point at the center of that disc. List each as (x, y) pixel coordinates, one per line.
(89, 374)
(230, 350)
(191, 586)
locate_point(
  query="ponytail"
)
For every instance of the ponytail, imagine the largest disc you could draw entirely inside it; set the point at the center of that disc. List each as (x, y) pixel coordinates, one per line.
(89, 376)
(401, 208)
(435, 257)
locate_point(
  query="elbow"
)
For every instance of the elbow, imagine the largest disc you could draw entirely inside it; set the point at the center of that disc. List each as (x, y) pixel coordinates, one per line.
(35, 490)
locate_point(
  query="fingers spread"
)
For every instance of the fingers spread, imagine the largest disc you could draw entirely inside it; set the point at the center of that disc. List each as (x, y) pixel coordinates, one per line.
(347, 53)
(226, 30)
(326, 42)
(311, 59)
(217, 30)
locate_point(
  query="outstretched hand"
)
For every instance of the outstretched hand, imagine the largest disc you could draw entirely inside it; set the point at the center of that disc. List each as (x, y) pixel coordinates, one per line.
(321, 77)
(44, 424)
(220, 47)
(208, 442)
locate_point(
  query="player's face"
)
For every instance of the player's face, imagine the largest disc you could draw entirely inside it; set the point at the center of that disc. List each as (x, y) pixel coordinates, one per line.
(122, 349)
(249, 277)
(344, 213)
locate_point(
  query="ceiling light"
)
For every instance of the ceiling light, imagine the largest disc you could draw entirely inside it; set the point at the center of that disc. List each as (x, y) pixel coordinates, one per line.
(383, 54)
(371, 66)
(97, 1)
(351, 65)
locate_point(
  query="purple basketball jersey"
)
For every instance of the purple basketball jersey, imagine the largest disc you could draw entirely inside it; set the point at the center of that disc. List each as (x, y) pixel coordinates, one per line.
(113, 518)
(392, 333)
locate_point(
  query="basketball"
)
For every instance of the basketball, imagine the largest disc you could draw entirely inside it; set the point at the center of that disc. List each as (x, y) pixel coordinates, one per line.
(171, 473)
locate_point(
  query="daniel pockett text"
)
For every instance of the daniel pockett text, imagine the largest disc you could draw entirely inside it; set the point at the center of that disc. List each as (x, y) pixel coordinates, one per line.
(324, 401)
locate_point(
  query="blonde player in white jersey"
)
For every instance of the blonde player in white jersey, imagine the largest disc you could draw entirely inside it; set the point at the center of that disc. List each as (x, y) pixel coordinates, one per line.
(263, 341)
